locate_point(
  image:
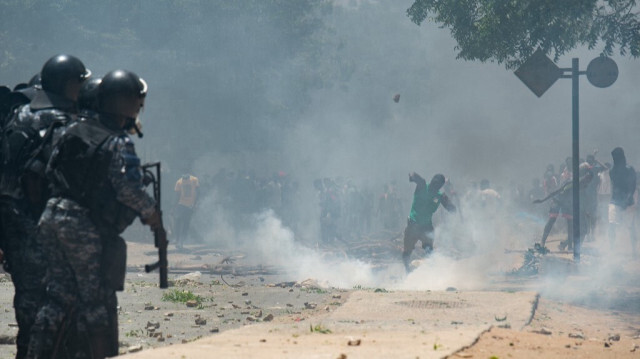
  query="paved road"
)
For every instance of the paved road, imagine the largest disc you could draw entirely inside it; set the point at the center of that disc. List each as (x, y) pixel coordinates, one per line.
(388, 325)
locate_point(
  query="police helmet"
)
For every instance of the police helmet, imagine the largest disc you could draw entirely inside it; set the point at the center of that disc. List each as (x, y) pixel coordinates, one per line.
(60, 69)
(36, 80)
(20, 86)
(121, 93)
(88, 96)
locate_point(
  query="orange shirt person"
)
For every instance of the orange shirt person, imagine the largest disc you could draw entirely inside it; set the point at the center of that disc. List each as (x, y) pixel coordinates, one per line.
(187, 187)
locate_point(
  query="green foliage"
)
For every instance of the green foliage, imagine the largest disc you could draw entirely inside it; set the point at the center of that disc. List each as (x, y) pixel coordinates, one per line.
(314, 290)
(134, 333)
(509, 31)
(181, 296)
(319, 328)
(375, 290)
(192, 339)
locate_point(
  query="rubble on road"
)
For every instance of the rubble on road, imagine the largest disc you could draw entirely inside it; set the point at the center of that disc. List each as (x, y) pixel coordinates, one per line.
(354, 342)
(576, 336)
(134, 348)
(188, 279)
(530, 265)
(543, 331)
(200, 320)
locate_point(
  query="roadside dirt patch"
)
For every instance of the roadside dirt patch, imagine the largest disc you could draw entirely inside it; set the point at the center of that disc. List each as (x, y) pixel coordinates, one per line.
(561, 330)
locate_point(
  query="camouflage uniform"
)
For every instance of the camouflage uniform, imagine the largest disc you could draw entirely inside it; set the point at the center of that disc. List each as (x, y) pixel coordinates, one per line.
(25, 265)
(26, 144)
(88, 256)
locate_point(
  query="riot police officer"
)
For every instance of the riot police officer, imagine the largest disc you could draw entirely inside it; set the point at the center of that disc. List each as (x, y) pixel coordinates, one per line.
(98, 192)
(23, 186)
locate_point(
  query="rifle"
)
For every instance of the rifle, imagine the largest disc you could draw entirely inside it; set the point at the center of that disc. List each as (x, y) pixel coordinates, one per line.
(151, 173)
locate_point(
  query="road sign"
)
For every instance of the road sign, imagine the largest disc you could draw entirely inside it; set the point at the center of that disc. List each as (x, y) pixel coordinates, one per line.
(602, 72)
(538, 73)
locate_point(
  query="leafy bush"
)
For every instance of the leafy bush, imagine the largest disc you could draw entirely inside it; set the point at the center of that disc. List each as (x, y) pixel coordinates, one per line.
(180, 296)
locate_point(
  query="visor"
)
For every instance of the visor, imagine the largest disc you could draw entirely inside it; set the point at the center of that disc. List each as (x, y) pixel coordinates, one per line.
(85, 75)
(143, 91)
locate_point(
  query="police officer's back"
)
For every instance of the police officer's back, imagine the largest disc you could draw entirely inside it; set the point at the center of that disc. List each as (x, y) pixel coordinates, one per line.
(95, 162)
(28, 132)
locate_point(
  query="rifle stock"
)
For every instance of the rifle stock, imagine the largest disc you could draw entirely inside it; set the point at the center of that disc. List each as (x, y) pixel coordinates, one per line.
(160, 235)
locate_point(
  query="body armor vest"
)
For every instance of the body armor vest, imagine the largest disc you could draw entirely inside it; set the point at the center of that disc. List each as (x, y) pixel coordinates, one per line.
(26, 147)
(80, 170)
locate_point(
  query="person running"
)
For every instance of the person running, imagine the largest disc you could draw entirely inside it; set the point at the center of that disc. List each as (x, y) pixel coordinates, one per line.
(563, 198)
(426, 200)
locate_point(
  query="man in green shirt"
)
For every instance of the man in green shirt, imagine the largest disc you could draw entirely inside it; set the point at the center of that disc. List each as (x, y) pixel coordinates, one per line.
(426, 200)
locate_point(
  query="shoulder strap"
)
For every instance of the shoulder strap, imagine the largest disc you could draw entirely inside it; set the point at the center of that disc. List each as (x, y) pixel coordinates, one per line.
(106, 136)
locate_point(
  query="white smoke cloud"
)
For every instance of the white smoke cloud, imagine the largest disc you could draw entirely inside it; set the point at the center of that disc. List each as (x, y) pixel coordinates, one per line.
(453, 264)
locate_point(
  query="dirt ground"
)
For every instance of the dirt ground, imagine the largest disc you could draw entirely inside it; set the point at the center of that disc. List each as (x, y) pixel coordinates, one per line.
(224, 302)
(561, 330)
(601, 323)
(604, 324)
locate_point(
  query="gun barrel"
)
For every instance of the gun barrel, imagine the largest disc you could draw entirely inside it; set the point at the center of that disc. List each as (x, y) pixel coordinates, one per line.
(164, 282)
(151, 267)
(160, 235)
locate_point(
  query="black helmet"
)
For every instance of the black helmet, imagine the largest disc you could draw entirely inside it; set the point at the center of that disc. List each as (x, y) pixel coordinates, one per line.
(88, 96)
(122, 83)
(120, 92)
(58, 70)
(20, 86)
(36, 80)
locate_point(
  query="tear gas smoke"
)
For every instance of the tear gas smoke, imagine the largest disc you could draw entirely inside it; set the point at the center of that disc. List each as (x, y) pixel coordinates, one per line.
(312, 95)
(467, 257)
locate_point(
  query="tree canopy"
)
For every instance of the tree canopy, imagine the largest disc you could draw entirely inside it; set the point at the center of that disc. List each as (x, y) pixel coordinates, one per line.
(509, 31)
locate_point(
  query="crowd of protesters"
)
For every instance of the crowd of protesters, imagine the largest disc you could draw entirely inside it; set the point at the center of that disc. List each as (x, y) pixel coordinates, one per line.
(607, 196)
(347, 209)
